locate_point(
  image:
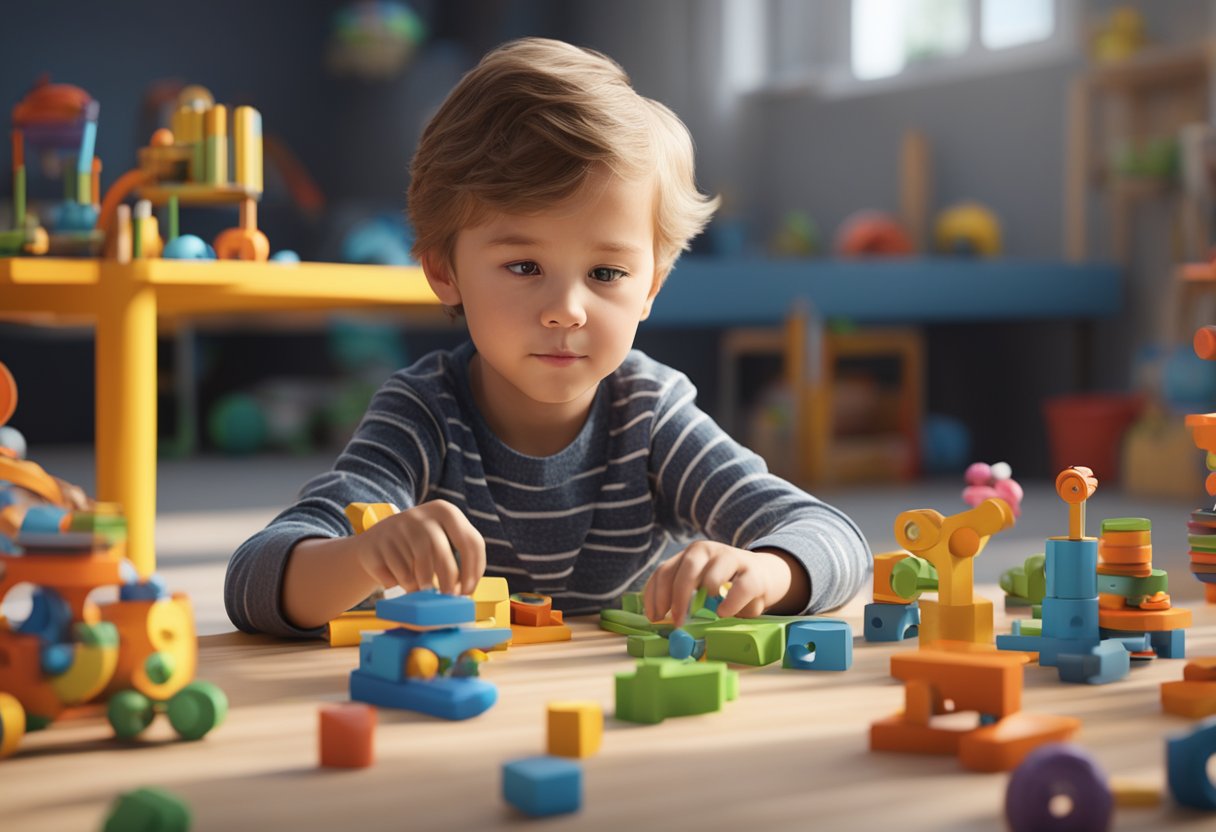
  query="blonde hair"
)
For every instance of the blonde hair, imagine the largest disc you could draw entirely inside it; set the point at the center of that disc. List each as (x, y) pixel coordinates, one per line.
(524, 130)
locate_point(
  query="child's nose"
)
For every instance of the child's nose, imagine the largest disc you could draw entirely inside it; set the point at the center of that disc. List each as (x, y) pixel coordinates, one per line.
(564, 309)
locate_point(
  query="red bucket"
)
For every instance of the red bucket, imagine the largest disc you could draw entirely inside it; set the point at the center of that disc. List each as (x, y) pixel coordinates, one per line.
(1087, 429)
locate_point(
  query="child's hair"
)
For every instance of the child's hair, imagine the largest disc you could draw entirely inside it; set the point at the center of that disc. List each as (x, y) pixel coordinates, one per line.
(525, 128)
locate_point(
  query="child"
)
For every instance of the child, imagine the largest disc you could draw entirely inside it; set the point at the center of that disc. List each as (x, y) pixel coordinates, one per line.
(550, 201)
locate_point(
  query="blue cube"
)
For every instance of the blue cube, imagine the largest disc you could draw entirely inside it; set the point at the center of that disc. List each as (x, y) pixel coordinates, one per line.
(427, 608)
(891, 622)
(819, 644)
(543, 785)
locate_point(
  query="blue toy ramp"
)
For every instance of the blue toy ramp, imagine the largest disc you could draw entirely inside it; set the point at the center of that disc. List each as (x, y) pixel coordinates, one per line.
(427, 608)
(445, 697)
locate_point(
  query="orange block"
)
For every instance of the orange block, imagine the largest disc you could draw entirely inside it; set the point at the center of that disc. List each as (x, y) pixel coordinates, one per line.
(346, 735)
(1209, 593)
(1202, 669)
(1194, 700)
(1147, 621)
(883, 565)
(1125, 554)
(529, 609)
(1142, 570)
(1110, 601)
(1203, 557)
(1003, 745)
(1143, 538)
(539, 635)
(990, 683)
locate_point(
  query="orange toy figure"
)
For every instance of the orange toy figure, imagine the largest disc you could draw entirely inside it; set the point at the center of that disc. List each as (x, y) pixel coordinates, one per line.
(70, 651)
(958, 617)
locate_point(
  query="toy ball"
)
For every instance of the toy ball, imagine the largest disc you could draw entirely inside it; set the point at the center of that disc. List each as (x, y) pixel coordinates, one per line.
(236, 424)
(945, 444)
(72, 216)
(12, 441)
(872, 234)
(285, 256)
(1187, 381)
(188, 247)
(967, 228)
(978, 473)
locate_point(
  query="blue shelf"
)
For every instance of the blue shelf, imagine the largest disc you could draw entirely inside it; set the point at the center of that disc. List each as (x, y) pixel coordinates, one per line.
(705, 291)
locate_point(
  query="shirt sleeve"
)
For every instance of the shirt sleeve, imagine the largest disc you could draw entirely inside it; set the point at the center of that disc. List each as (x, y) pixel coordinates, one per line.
(394, 457)
(707, 485)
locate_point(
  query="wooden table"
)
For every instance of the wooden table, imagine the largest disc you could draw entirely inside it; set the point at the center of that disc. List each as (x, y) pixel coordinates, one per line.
(791, 752)
(124, 301)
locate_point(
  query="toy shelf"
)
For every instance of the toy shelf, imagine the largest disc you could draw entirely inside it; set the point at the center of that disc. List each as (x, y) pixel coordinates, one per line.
(124, 300)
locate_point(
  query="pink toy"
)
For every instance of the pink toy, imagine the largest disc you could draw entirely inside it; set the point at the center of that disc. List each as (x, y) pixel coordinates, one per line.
(996, 480)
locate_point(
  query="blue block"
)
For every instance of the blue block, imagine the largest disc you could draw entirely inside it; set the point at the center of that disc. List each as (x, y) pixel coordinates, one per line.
(680, 644)
(451, 642)
(427, 608)
(1132, 642)
(444, 696)
(891, 622)
(819, 644)
(1051, 648)
(1107, 662)
(1186, 758)
(153, 589)
(1070, 617)
(42, 520)
(50, 617)
(542, 786)
(1026, 644)
(1168, 644)
(1072, 568)
(384, 654)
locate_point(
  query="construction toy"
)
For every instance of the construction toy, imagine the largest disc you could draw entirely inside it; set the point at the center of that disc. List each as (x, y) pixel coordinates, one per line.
(899, 579)
(346, 735)
(664, 687)
(188, 165)
(575, 728)
(1058, 788)
(681, 645)
(136, 655)
(57, 124)
(950, 544)
(534, 621)
(392, 675)
(148, 810)
(543, 786)
(990, 683)
(1069, 635)
(1187, 764)
(984, 481)
(1026, 585)
(492, 602)
(754, 642)
(819, 644)
(647, 645)
(1202, 528)
(1195, 695)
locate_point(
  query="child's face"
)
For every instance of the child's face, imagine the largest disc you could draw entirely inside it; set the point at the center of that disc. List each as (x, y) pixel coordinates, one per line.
(553, 300)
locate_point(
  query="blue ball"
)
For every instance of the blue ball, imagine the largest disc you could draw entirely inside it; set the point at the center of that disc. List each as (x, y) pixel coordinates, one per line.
(1188, 382)
(285, 256)
(188, 247)
(945, 444)
(72, 216)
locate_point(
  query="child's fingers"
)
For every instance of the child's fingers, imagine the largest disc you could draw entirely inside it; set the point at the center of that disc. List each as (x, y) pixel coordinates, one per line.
(402, 573)
(686, 581)
(443, 562)
(465, 539)
(420, 564)
(382, 575)
(746, 588)
(719, 571)
(656, 598)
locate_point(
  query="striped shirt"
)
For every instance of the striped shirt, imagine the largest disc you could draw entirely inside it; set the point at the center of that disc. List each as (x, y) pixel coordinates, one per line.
(648, 472)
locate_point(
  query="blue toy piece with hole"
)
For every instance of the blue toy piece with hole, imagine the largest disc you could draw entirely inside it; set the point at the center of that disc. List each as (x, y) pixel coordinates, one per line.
(819, 644)
(891, 622)
(1187, 756)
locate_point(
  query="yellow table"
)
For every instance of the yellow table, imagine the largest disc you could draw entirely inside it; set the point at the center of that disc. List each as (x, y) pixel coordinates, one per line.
(125, 299)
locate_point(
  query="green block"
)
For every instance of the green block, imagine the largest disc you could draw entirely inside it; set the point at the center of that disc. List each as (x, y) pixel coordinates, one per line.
(1031, 627)
(1036, 611)
(912, 576)
(622, 629)
(1202, 542)
(624, 622)
(698, 601)
(755, 643)
(1130, 587)
(1127, 524)
(646, 646)
(662, 687)
(632, 602)
(148, 810)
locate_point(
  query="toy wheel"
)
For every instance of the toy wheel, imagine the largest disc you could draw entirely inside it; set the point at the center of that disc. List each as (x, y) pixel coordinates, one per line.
(1055, 773)
(196, 709)
(129, 712)
(12, 724)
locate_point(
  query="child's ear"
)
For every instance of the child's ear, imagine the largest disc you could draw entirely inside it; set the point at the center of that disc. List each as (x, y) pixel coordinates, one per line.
(439, 275)
(659, 278)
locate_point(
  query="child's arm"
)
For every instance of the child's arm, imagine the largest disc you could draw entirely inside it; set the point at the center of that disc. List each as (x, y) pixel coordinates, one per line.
(412, 549)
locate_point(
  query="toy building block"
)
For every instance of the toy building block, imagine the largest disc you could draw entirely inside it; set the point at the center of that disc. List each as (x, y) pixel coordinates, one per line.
(680, 645)
(1025, 585)
(492, 600)
(1187, 757)
(530, 609)
(1134, 794)
(900, 578)
(427, 608)
(665, 687)
(1054, 771)
(953, 626)
(576, 729)
(1106, 662)
(1195, 695)
(647, 646)
(755, 643)
(346, 735)
(12, 724)
(891, 622)
(347, 629)
(819, 644)
(541, 635)
(148, 810)
(632, 602)
(1071, 568)
(542, 786)
(625, 623)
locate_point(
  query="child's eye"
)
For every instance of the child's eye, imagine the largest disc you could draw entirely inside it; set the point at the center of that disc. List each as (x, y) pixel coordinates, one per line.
(607, 274)
(524, 268)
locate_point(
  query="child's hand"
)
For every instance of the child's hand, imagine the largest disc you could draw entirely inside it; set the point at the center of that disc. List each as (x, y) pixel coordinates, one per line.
(415, 547)
(759, 580)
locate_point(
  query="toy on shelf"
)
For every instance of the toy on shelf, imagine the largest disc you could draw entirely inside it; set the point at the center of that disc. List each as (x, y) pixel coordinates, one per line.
(958, 617)
(137, 654)
(188, 165)
(1120, 37)
(968, 228)
(430, 662)
(1195, 695)
(872, 234)
(1202, 528)
(984, 481)
(990, 683)
(55, 124)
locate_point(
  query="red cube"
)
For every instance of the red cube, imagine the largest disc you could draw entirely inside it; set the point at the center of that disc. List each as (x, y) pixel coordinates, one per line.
(346, 735)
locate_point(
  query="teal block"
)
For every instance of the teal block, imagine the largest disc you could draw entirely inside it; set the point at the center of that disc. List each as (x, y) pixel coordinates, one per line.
(891, 622)
(427, 608)
(1107, 662)
(1071, 568)
(1070, 617)
(543, 785)
(1187, 756)
(755, 643)
(819, 644)
(664, 687)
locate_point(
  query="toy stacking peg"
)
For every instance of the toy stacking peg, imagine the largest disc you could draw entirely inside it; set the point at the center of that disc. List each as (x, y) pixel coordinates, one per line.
(1076, 485)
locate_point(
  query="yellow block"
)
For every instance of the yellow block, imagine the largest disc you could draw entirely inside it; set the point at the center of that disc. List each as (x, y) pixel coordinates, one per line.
(539, 635)
(12, 724)
(247, 134)
(363, 516)
(345, 630)
(1134, 794)
(575, 728)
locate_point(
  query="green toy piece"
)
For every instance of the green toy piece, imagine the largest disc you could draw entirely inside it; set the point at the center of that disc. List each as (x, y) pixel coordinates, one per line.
(196, 709)
(755, 642)
(1026, 585)
(1127, 524)
(1131, 587)
(129, 713)
(646, 646)
(632, 602)
(912, 576)
(664, 687)
(148, 810)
